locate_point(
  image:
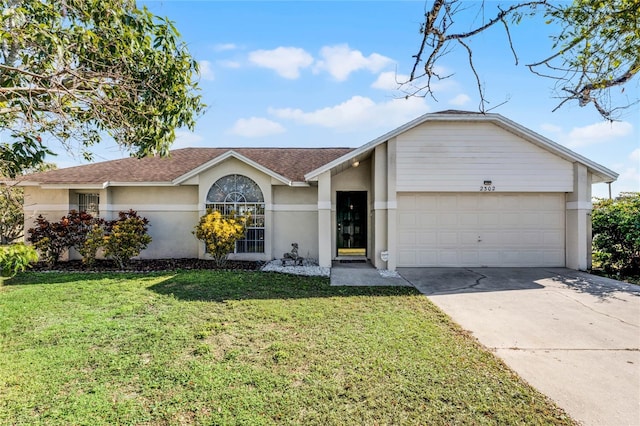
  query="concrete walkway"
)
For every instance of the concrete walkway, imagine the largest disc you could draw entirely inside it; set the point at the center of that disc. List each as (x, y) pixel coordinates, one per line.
(364, 274)
(573, 336)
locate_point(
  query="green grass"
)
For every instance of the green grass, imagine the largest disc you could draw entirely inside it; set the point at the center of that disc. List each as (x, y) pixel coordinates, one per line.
(243, 348)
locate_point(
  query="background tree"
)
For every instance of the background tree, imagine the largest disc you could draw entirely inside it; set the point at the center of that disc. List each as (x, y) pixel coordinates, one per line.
(616, 234)
(595, 50)
(11, 214)
(75, 70)
(12, 208)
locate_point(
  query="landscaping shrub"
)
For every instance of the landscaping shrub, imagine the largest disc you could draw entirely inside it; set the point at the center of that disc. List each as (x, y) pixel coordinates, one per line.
(616, 234)
(49, 238)
(15, 258)
(125, 237)
(53, 238)
(220, 233)
(92, 243)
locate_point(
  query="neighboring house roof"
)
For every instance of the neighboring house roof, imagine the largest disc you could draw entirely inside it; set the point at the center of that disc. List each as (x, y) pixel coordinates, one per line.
(287, 163)
(602, 173)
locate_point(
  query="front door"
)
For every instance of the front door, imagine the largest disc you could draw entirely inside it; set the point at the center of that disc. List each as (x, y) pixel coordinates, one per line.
(351, 211)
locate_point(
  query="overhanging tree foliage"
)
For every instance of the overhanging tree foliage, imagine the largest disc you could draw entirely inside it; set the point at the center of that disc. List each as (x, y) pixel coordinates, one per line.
(77, 69)
(596, 48)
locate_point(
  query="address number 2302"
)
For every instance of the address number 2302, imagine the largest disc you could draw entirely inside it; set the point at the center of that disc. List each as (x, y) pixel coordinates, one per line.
(487, 188)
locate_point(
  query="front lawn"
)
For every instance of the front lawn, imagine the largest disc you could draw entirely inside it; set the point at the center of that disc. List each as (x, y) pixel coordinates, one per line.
(215, 347)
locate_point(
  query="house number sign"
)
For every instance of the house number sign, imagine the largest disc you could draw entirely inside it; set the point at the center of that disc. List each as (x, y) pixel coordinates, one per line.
(487, 188)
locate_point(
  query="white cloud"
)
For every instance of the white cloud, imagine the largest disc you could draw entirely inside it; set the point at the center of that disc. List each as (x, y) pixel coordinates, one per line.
(357, 113)
(460, 100)
(340, 61)
(635, 155)
(598, 133)
(628, 181)
(186, 139)
(256, 127)
(551, 128)
(224, 46)
(206, 71)
(389, 80)
(229, 64)
(286, 61)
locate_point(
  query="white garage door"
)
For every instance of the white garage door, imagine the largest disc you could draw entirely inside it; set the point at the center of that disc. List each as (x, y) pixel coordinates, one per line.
(481, 229)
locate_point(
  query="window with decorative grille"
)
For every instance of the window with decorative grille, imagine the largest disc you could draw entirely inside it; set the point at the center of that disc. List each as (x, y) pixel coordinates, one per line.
(240, 195)
(89, 203)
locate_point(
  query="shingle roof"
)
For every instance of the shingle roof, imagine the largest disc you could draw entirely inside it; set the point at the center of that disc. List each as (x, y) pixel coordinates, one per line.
(291, 163)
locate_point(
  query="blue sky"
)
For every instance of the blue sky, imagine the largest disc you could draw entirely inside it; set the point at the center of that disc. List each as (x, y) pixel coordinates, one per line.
(311, 74)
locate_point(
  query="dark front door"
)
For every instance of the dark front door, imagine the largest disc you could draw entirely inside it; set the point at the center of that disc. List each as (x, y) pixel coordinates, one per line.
(351, 211)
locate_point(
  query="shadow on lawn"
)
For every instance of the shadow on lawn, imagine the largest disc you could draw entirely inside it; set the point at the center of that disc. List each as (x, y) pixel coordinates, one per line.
(219, 286)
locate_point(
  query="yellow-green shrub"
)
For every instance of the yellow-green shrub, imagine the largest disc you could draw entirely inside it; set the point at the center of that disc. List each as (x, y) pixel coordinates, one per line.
(220, 233)
(15, 258)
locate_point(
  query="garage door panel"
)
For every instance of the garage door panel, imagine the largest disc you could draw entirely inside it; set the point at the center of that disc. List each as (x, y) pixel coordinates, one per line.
(447, 239)
(447, 202)
(447, 220)
(409, 257)
(551, 256)
(531, 238)
(509, 220)
(428, 257)
(530, 219)
(468, 219)
(407, 203)
(468, 238)
(425, 204)
(409, 218)
(426, 239)
(489, 220)
(479, 229)
(469, 257)
(554, 220)
(408, 238)
(553, 239)
(448, 257)
(427, 220)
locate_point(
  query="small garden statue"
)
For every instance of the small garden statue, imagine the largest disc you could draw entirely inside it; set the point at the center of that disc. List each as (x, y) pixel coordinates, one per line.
(292, 256)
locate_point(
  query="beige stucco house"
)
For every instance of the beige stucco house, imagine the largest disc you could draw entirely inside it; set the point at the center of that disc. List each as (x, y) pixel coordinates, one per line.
(447, 189)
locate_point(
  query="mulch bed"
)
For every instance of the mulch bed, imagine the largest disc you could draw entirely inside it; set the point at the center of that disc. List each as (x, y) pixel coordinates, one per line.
(147, 265)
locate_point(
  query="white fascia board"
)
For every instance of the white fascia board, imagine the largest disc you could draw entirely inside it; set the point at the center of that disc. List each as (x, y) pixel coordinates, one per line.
(230, 154)
(71, 186)
(146, 184)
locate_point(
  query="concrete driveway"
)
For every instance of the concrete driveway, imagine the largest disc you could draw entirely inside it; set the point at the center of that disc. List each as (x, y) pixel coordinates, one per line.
(573, 336)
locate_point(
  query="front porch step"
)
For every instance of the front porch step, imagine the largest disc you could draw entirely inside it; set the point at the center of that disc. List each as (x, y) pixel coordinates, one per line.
(351, 259)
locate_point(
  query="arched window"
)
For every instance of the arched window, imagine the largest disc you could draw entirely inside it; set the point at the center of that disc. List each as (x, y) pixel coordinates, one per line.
(239, 194)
